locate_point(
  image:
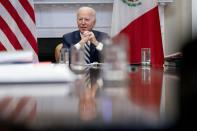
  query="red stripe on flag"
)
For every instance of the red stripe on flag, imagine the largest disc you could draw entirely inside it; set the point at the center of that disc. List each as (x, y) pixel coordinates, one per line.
(10, 35)
(26, 5)
(145, 32)
(2, 48)
(22, 26)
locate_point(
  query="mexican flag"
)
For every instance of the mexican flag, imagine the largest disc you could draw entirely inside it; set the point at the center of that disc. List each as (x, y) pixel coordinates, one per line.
(139, 21)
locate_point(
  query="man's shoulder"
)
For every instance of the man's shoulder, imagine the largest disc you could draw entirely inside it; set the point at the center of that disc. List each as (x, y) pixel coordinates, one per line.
(70, 34)
(99, 32)
(71, 38)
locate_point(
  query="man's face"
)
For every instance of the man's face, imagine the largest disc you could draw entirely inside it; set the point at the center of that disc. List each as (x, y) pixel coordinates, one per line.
(85, 21)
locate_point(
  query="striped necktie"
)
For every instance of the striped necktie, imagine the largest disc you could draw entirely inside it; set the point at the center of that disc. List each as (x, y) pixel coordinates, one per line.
(87, 53)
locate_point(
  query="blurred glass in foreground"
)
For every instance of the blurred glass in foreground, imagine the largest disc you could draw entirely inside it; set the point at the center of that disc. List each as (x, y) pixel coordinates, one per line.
(115, 62)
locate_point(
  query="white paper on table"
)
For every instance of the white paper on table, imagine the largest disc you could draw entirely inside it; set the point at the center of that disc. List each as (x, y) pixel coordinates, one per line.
(17, 57)
(30, 73)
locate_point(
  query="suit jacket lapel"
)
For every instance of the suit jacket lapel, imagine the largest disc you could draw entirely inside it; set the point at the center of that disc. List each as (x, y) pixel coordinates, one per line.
(77, 37)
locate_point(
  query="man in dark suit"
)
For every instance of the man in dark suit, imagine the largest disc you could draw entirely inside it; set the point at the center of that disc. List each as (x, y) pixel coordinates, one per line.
(86, 19)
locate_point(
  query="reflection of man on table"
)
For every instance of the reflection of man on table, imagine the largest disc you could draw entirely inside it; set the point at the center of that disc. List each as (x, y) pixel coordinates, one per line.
(87, 103)
(86, 19)
(87, 97)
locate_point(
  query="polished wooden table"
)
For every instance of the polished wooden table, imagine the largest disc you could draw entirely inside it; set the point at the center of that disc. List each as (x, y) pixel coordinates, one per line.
(144, 98)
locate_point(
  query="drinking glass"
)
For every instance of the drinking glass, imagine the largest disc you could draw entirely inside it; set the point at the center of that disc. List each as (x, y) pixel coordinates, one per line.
(64, 55)
(145, 56)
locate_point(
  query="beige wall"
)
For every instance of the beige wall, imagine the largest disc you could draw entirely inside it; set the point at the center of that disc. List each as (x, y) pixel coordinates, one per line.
(178, 25)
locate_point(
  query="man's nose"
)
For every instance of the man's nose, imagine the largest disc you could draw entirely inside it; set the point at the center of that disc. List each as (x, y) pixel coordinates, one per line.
(83, 21)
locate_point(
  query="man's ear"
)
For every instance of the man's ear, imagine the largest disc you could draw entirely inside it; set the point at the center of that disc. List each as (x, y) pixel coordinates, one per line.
(94, 22)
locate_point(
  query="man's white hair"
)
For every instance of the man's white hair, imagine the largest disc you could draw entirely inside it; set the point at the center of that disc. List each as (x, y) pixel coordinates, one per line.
(86, 8)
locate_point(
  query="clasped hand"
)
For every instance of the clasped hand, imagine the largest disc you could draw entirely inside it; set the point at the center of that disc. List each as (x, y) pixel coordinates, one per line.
(88, 36)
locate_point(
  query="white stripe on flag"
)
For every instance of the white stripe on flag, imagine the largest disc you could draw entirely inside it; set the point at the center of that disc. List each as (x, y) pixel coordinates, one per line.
(6, 43)
(32, 5)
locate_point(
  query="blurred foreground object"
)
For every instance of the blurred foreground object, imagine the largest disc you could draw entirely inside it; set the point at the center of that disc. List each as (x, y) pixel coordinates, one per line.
(188, 90)
(115, 61)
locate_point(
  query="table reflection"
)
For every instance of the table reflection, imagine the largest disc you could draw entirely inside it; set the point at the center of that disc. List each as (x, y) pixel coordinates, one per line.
(87, 103)
(17, 110)
(145, 87)
(147, 98)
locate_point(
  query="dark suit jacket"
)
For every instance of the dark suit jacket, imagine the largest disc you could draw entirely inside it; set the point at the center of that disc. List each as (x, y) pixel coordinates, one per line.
(74, 37)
